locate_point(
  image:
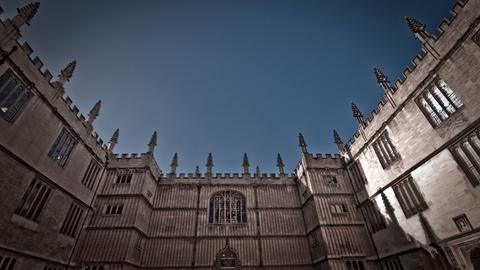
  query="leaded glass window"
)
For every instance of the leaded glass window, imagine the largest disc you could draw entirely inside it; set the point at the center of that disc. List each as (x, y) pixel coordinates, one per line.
(467, 153)
(439, 102)
(13, 95)
(227, 207)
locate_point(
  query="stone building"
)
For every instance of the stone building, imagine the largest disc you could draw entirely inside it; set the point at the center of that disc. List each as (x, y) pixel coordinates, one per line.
(403, 192)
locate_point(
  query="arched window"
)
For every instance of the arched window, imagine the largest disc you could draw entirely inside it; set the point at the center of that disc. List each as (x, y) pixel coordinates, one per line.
(227, 207)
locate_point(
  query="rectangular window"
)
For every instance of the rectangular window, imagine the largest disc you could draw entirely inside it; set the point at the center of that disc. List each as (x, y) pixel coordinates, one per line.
(409, 197)
(13, 95)
(463, 224)
(33, 200)
(113, 209)
(467, 154)
(7, 263)
(338, 208)
(124, 178)
(91, 174)
(438, 102)
(61, 148)
(386, 152)
(392, 264)
(72, 220)
(375, 220)
(355, 265)
(330, 180)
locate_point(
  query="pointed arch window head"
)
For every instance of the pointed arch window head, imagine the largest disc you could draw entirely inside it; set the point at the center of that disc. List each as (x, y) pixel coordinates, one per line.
(227, 207)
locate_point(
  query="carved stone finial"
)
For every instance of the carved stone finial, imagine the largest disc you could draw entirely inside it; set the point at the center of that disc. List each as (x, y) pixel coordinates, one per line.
(94, 112)
(209, 164)
(381, 78)
(301, 143)
(113, 141)
(174, 164)
(197, 171)
(152, 143)
(245, 164)
(67, 73)
(280, 165)
(257, 171)
(357, 114)
(336, 138)
(415, 26)
(25, 14)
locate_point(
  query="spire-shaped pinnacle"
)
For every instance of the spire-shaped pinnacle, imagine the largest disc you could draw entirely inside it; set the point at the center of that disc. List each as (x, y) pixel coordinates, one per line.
(94, 112)
(174, 164)
(113, 141)
(25, 14)
(301, 143)
(209, 164)
(152, 143)
(280, 164)
(415, 26)
(381, 78)
(114, 138)
(67, 72)
(257, 171)
(357, 114)
(245, 164)
(197, 171)
(336, 138)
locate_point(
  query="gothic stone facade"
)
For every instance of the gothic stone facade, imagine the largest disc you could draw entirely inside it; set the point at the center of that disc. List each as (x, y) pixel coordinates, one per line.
(403, 193)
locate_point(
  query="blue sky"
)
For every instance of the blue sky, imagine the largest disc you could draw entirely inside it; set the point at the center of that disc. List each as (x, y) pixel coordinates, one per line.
(227, 77)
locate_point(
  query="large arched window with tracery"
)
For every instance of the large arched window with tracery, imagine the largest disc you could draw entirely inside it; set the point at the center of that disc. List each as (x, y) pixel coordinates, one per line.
(227, 207)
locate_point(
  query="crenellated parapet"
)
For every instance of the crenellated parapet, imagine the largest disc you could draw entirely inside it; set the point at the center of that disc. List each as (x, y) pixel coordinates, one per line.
(436, 50)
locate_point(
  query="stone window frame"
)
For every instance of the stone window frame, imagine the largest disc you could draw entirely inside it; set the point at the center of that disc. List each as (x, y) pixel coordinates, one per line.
(113, 209)
(469, 144)
(375, 220)
(34, 200)
(355, 265)
(72, 220)
(62, 148)
(124, 178)
(19, 96)
(393, 264)
(7, 262)
(233, 214)
(91, 174)
(438, 102)
(409, 197)
(338, 208)
(458, 220)
(386, 152)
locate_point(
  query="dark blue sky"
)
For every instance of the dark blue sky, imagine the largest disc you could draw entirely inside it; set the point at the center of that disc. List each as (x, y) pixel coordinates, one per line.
(227, 76)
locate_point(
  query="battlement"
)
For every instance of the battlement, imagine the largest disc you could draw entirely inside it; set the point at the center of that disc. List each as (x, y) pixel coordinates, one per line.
(200, 176)
(407, 82)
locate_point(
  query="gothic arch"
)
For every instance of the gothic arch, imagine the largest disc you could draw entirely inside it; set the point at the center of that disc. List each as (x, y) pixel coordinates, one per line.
(227, 207)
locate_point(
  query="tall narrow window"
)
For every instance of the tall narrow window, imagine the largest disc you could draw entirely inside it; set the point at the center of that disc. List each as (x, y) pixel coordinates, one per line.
(467, 153)
(438, 102)
(13, 95)
(72, 220)
(409, 197)
(7, 263)
(355, 265)
(386, 152)
(375, 220)
(227, 207)
(91, 174)
(33, 200)
(62, 147)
